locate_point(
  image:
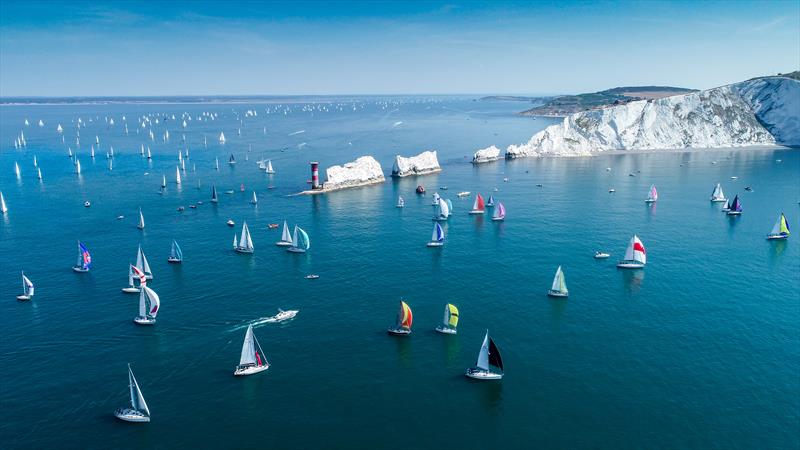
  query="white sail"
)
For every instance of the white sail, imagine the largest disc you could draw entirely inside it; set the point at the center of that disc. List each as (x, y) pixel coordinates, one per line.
(142, 264)
(246, 242)
(221, 138)
(434, 235)
(248, 348)
(446, 320)
(286, 236)
(39, 173)
(444, 208)
(4, 208)
(16, 169)
(137, 399)
(27, 286)
(141, 219)
(559, 283)
(483, 356)
(142, 303)
(77, 166)
(177, 175)
(255, 199)
(154, 300)
(269, 167)
(35, 164)
(163, 181)
(235, 242)
(216, 163)
(635, 251)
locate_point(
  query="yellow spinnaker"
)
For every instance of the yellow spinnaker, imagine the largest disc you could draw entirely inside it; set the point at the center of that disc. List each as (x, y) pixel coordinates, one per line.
(453, 315)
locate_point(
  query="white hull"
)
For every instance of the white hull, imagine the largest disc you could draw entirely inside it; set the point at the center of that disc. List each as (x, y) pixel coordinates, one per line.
(283, 244)
(144, 321)
(440, 219)
(498, 219)
(601, 256)
(435, 244)
(130, 290)
(630, 265)
(649, 201)
(479, 374)
(23, 298)
(130, 415)
(445, 330)
(558, 294)
(734, 213)
(243, 250)
(295, 250)
(79, 269)
(475, 211)
(718, 200)
(174, 260)
(249, 370)
(774, 237)
(398, 331)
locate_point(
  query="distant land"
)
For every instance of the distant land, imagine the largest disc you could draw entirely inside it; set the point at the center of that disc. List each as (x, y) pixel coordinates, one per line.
(517, 98)
(564, 105)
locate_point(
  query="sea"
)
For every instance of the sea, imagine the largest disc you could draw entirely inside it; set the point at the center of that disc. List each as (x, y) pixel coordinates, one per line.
(701, 349)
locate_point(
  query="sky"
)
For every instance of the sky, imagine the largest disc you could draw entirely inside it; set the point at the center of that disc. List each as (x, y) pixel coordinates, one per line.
(151, 48)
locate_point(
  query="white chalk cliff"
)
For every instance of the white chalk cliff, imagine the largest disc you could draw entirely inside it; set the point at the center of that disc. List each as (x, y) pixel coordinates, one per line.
(485, 155)
(361, 172)
(422, 164)
(761, 111)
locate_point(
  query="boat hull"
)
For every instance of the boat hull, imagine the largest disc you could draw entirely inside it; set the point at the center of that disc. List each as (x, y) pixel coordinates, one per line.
(131, 290)
(479, 374)
(295, 250)
(249, 370)
(498, 219)
(131, 415)
(630, 265)
(718, 200)
(435, 244)
(775, 237)
(602, 256)
(446, 330)
(734, 213)
(243, 250)
(79, 269)
(475, 211)
(283, 244)
(174, 260)
(139, 320)
(23, 298)
(398, 331)
(649, 201)
(557, 294)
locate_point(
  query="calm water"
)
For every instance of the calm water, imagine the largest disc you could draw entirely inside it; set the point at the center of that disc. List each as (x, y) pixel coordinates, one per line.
(701, 349)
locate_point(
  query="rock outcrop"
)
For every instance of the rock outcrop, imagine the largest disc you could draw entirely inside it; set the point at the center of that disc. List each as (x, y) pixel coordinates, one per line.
(361, 172)
(422, 164)
(486, 155)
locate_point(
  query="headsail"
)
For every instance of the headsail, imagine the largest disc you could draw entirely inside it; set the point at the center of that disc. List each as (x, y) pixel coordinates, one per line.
(559, 282)
(286, 236)
(478, 205)
(781, 227)
(404, 317)
(636, 251)
(137, 399)
(450, 315)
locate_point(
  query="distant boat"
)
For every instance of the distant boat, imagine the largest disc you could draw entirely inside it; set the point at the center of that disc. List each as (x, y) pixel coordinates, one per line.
(216, 163)
(437, 237)
(491, 201)
(269, 167)
(652, 195)
(214, 198)
(164, 181)
(221, 138)
(478, 207)
(286, 236)
(175, 253)
(149, 155)
(39, 173)
(231, 160)
(35, 163)
(450, 321)
(84, 262)
(27, 288)
(16, 169)
(404, 320)
(149, 304)
(490, 364)
(91, 152)
(245, 243)
(142, 264)
(252, 359)
(140, 225)
(727, 206)
(499, 212)
(436, 198)
(463, 194)
(635, 255)
(780, 230)
(601, 255)
(254, 201)
(736, 207)
(134, 271)
(177, 175)
(138, 412)
(300, 241)
(559, 287)
(241, 187)
(3, 207)
(442, 211)
(77, 166)
(717, 195)
(401, 202)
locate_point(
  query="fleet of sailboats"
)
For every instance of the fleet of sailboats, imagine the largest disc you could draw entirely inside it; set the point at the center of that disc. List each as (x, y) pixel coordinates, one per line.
(559, 287)
(635, 255)
(138, 411)
(450, 320)
(405, 318)
(490, 363)
(780, 230)
(252, 359)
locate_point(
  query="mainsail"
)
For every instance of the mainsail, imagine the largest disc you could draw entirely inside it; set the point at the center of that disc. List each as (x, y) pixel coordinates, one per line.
(559, 282)
(636, 251)
(137, 399)
(286, 236)
(478, 205)
(781, 227)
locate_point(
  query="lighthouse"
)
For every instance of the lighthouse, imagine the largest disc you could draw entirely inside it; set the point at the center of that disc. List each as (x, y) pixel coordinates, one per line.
(315, 175)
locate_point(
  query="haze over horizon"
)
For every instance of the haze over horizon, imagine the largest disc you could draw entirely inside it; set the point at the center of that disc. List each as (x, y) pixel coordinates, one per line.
(65, 49)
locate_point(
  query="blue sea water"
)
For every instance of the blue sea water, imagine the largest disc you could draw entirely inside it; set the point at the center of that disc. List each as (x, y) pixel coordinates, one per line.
(699, 350)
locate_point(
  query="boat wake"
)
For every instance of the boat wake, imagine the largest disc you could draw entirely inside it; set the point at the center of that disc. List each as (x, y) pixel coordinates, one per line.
(282, 316)
(297, 132)
(397, 124)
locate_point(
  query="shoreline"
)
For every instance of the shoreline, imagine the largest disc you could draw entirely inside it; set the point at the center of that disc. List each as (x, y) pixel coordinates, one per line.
(758, 147)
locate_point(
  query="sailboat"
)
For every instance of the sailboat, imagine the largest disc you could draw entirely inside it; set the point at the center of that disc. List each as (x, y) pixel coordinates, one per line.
(77, 166)
(142, 264)
(149, 155)
(252, 359)
(177, 175)
(221, 138)
(163, 181)
(478, 207)
(231, 160)
(780, 230)
(91, 152)
(736, 207)
(3, 207)
(491, 200)
(140, 225)
(138, 412)
(134, 271)
(499, 213)
(635, 255)
(245, 243)
(148, 306)
(490, 364)
(442, 211)
(39, 173)
(300, 241)
(269, 167)
(402, 326)
(437, 237)
(652, 195)
(84, 262)
(214, 198)
(286, 237)
(216, 163)
(254, 201)
(559, 287)
(35, 163)
(727, 206)
(717, 195)
(401, 202)
(450, 321)
(175, 253)
(435, 199)
(16, 169)
(27, 289)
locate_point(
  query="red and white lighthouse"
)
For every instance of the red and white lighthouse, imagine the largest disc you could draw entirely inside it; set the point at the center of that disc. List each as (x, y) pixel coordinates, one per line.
(315, 175)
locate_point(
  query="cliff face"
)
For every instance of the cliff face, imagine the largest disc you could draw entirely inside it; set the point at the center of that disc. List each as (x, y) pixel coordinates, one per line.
(422, 164)
(754, 112)
(361, 172)
(485, 155)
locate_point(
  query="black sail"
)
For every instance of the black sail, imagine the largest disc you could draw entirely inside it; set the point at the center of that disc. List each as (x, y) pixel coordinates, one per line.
(494, 355)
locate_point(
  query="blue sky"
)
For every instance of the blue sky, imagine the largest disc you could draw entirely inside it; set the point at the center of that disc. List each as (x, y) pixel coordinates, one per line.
(237, 48)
